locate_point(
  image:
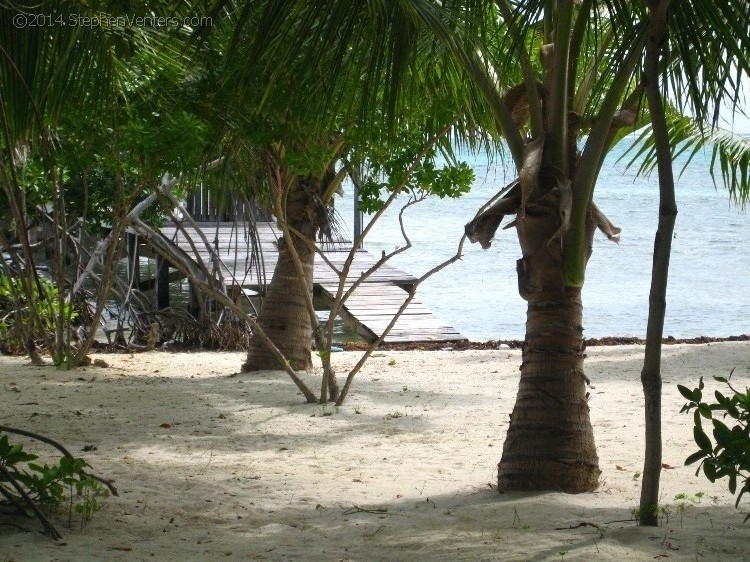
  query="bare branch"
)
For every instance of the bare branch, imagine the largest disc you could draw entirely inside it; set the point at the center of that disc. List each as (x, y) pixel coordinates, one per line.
(186, 267)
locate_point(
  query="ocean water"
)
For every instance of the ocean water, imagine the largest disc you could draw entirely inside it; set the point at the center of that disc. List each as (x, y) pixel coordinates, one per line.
(709, 284)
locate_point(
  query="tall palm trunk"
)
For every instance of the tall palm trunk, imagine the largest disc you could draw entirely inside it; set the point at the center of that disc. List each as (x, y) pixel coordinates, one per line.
(284, 315)
(550, 441)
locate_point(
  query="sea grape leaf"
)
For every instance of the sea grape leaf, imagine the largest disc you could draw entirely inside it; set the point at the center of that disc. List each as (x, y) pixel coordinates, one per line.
(701, 439)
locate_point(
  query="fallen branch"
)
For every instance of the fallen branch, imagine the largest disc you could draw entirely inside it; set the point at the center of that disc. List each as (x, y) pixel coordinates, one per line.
(356, 509)
(581, 524)
(167, 183)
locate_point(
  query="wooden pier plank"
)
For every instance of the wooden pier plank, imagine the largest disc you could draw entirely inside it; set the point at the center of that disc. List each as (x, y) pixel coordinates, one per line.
(369, 309)
(372, 306)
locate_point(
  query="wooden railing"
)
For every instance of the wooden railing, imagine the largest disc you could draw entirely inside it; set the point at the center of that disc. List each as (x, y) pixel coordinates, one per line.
(204, 207)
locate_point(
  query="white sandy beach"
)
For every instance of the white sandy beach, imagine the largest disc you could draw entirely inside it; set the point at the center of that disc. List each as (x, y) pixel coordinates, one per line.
(403, 471)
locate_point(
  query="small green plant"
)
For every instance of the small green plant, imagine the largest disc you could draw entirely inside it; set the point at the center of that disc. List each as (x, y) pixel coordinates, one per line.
(637, 475)
(38, 490)
(661, 511)
(689, 499)
(326, 411)
(729, 457)
(685, 501)
(88, 492)
(17, 308)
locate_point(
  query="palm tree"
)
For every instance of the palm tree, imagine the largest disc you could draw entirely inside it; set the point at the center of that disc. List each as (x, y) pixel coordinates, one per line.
(559, 112)
(314, 114)
(661, 147)
(301, 203)
(550, 443)
(570, 95)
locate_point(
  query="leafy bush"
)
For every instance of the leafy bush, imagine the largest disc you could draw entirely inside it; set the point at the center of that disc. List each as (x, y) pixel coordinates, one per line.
(729, 457)
(26, 484)
(46, 302)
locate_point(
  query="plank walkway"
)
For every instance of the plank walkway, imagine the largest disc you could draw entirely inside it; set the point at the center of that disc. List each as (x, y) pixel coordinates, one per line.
(370, 307)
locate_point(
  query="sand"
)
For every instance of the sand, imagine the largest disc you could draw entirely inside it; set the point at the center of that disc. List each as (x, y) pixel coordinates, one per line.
(404, 470)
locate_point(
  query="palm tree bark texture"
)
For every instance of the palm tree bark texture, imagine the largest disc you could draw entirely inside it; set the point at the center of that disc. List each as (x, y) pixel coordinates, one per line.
(284, 315)
(550, 442)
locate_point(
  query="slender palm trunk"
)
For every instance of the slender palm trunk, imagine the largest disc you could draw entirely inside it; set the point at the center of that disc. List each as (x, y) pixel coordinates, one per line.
(550, 441)
(651, 372)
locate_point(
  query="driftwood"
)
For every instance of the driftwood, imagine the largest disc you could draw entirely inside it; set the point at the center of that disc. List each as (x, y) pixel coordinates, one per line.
(581, 524)
(165, 189)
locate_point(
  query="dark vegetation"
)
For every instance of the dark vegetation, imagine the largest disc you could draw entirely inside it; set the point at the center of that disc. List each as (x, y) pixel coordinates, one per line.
(727, 456)
(34, 488)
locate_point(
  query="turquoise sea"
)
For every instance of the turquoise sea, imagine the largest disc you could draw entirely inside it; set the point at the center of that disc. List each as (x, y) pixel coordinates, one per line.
(709, 285)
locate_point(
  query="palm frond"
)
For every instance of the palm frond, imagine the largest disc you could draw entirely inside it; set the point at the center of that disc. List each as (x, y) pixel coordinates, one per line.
(709, 50)
(42, 72)
(335, 63)
(730, 153)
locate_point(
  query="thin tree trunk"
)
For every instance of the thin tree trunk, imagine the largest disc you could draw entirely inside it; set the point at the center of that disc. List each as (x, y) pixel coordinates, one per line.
(651, 373)
(550, 442)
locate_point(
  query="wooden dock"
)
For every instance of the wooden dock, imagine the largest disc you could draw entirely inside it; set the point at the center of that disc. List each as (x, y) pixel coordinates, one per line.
(372, 306)
(368, 310)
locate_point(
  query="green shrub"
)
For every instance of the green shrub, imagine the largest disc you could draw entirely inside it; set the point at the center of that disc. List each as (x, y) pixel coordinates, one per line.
(50, 487)
(728, 455)
(46, 301)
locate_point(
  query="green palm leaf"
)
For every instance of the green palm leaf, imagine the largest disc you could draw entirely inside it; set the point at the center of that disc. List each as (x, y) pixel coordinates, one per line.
(730, 153)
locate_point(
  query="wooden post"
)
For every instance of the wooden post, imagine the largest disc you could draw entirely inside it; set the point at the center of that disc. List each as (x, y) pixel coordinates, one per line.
(358, 216)
(162, 283)
(134, 261)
